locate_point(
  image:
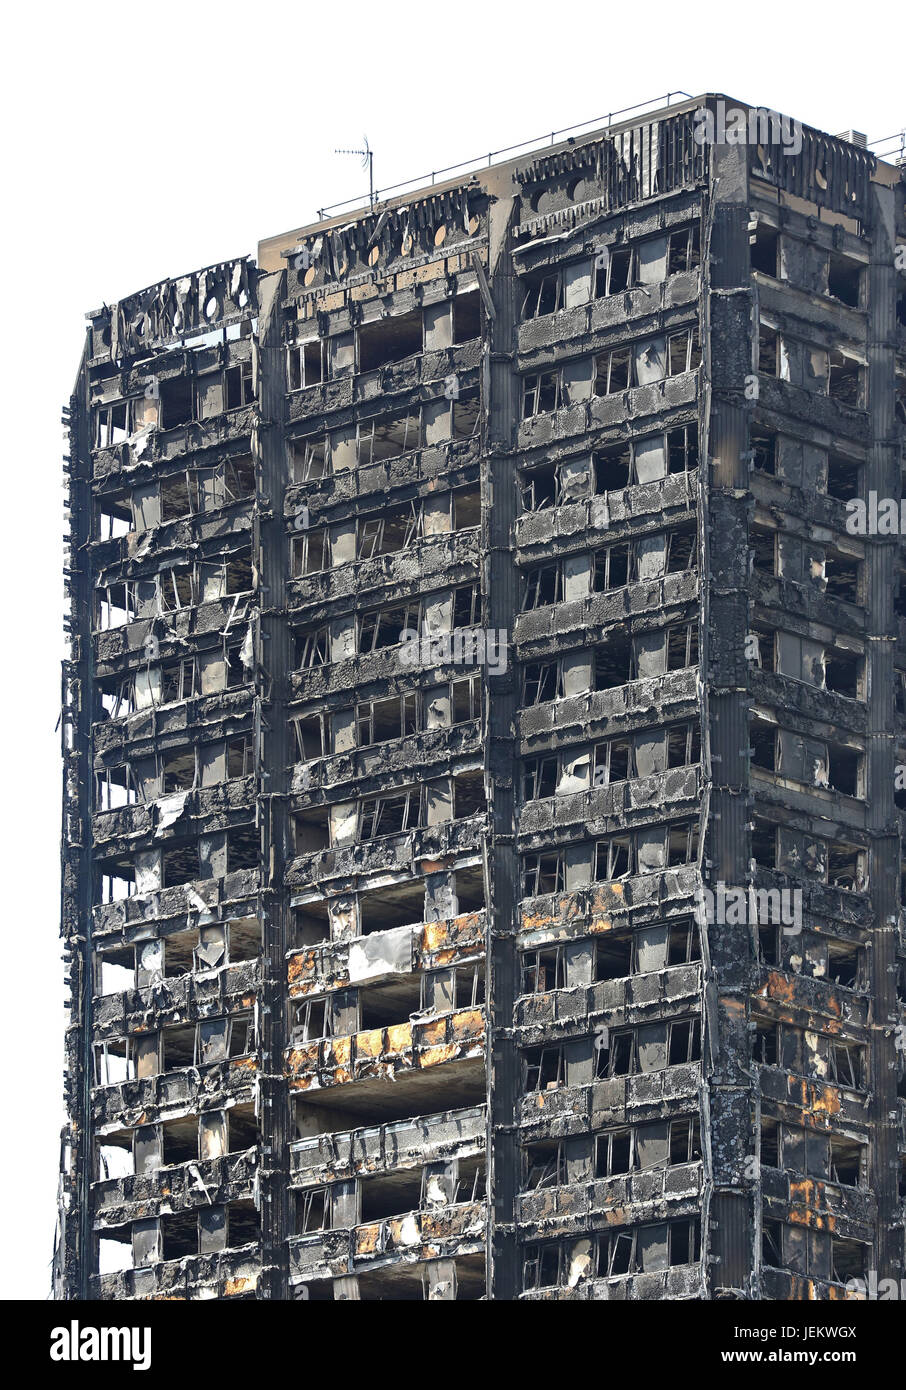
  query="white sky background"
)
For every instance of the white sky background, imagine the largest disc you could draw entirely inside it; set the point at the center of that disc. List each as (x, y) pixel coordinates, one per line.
(144, 141)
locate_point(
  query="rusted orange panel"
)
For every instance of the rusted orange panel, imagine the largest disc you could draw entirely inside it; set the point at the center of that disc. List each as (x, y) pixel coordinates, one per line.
(468, 1023)
(302, 1058)
(369, 1044)
(434, 934)
(243, 1064)
(433, 1030)
(434, 1056)
(235, 1286)
(367, 1238)
(399, 1037)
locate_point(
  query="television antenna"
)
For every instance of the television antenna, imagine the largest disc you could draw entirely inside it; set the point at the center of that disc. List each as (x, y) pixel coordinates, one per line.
(367, 155)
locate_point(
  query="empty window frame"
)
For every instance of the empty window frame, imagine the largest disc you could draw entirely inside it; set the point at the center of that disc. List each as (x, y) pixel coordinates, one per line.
(113, 423)
(544, 1165)
(384, 627)
(387, 534)
(614, 567)
(392, 814)
(543, 1069)
(684, 744)
(768, 350)
(613, 661)
(389, 340)
(846, 1064)
(238, 389)
(682, 550)
(682, 646)
(112, 518)
(763, 445)
(115, 605)
(310, 460)
(465, 699)
(683, 352)
(540, 775)
(614, 761)
(180, 495)
(541, 488)
(311, 734)
(542, 681)
(541, 393)
(306, 364)
(613, 371)
(312, 648)
(615, 465)
(543, 585)
(543, 872)
(379, 721)
(543, 294)
(388, 437)
(844, 279)
(543, 969)
(310, 552)
(844, 478)
(114, 787)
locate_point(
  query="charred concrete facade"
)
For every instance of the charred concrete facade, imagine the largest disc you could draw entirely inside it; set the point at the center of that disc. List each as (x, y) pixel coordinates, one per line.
(389, 972)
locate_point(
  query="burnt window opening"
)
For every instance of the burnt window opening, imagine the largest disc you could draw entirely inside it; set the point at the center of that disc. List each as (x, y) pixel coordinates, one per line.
(544, 1069)
(683, 942)
(380, 721)
(542, 681)
(613, 468)
(846, 1161)
(306, 364)
(114, 787)
(180, 495)
(115, 605)
(843, 576)
(768, 350)
(849, 1260)
(539, 777)
(682, 843)
(762, 648)
(384, 627)
(770, 944)
(763, 740)
(844, 280)
(541, 394)
(543, 294)
(684, 744)
(543, 872)
(682, 646)
(390, 340)
(238, 388)
(309, 460)
(763, 543)
(846, 1064)
(613, 661)
(389, 533)
(543, 586)
(683, 352)
(844, 383)
(844, 478)
(769, 1142)
(615, 858)
(112, 518)
(618, 272)
(541, 488)
(764, 843)
(466, 317)
(766, 1043)
(619, 1057)
(682, 449)
(543, 970)
(469, 798)
(310, 553)
(391, 815)
(842, 673)
(465, 697)
(466, 606)
(311, 648)
(179, 771)
(685, 1042)
(685, 1140)
(845, 964)
(764, 451)
(466, 508)
(614, 761)
(684, 249)
(614, 958)
(844, 766)
(113, 423)
(765, 247)
(312, 1211)
(846, 866)
(544, 1165)
(177, 402)
(613, 568)
(311, 736)
(466, 415)
(682, 551)
(613, 372)
(772, 1242)
(390, 436)
(615, 1153)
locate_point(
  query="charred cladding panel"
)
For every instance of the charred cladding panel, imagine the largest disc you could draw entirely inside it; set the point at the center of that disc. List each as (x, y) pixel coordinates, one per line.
(482, 722)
